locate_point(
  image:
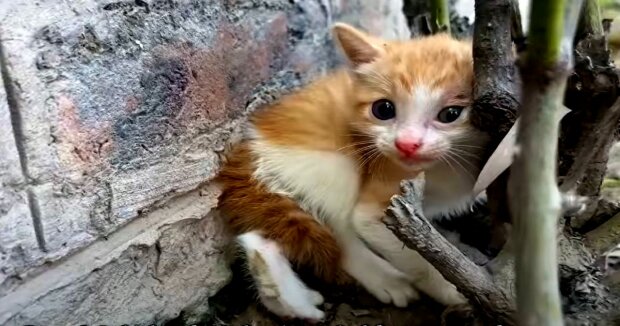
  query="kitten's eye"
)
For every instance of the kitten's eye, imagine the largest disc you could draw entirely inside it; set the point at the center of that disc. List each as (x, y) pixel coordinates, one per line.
(383, 109)
(449, 114)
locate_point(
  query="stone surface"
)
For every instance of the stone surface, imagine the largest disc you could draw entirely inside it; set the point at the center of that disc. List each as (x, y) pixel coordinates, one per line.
(171, 260)
(111, 116)
(124, 104)
(18, 244)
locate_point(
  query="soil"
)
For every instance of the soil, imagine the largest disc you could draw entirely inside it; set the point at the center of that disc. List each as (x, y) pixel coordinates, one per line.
(236, 305)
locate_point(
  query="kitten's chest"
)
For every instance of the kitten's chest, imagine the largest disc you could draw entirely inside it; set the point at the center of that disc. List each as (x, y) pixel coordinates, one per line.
(324, 183)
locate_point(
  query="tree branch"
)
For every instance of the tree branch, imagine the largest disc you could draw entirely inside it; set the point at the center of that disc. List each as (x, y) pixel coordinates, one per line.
(405, 218)
(590, 22)
(532, 188)
(592, 95)
(496, 92)
(496, 89)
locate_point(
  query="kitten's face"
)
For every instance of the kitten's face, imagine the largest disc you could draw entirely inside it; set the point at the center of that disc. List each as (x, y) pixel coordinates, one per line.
(413, 97)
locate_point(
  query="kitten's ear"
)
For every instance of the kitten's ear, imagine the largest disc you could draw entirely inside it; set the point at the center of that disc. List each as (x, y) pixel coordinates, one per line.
(358, 46)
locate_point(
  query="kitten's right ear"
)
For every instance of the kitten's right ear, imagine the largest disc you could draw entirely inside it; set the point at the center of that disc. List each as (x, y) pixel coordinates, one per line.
(359, 47)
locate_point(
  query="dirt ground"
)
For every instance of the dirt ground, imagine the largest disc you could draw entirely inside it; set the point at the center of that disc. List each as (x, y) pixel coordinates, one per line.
(235, 305)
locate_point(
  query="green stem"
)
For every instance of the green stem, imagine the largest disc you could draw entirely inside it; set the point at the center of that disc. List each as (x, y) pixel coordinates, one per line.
(546, 32)
(534, 196)
(440, 15)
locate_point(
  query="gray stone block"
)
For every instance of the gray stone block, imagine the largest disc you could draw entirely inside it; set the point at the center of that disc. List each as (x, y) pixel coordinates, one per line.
(125, 108)
(18, 244)
(127, 103)
(173, 259)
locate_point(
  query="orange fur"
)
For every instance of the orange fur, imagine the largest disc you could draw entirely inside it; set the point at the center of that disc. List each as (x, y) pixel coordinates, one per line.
(248, 206)
(332, 115)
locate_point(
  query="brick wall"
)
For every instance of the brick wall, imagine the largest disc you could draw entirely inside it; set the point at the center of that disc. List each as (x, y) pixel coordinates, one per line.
(113, 117)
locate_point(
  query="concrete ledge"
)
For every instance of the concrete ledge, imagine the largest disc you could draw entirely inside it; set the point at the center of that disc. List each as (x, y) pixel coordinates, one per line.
(140, 274)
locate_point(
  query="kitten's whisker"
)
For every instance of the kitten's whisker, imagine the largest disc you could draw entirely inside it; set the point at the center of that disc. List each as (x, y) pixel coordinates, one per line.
(464, 153)
(445, 159)
(355, 144)
(455, 160)
(464, 159)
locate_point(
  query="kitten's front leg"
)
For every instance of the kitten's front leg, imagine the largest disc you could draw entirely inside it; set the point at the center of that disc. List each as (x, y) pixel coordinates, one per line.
(367, 222)
(375, 274)
(279, 288)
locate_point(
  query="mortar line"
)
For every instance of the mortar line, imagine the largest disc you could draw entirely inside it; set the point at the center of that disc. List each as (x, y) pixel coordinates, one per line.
(18, 135)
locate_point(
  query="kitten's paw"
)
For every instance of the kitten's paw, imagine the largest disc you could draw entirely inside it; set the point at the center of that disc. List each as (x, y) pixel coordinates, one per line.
(389, 286)
(288, 308)
(292, 299)
(454, 298)
(378, 277)
(315, 297)
(397, 291)
(279, 288)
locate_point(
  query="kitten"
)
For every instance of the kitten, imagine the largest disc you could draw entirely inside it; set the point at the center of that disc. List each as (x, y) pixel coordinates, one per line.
(309, 185)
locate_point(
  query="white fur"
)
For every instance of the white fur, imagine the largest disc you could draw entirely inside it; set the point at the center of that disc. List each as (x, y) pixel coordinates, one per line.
(292, 297)
(411, 120)
(366, 219)
(326, 184)
(378, 276)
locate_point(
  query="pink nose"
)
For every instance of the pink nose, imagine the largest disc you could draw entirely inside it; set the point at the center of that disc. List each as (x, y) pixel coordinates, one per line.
(407, 147)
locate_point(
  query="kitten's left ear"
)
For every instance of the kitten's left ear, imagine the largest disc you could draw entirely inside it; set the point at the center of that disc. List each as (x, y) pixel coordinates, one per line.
(359, 47)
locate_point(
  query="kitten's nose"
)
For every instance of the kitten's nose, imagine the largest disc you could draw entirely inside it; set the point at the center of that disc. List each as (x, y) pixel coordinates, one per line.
(408, 147)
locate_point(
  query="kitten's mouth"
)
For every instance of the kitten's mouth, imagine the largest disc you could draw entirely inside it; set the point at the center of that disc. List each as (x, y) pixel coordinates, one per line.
(415, 163)
(418, 159)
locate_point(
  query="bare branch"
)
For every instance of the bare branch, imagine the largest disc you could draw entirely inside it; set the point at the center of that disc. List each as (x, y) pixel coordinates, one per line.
(591, 22)
(592, 146)
(496, 89)
(406, 220)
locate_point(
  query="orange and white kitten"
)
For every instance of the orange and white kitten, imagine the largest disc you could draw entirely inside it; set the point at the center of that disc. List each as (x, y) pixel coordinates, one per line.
(308, 186)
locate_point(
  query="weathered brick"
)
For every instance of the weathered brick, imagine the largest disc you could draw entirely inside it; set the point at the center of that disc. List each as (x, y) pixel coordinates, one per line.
(18, 245)
(125, 106)
(171, 260)
(126, 103)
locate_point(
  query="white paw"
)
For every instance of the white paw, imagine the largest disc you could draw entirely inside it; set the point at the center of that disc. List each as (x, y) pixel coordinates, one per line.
(454, 298)
(279, 287)
(387, 284)
(315, 297)
(379, 277)
(300, 305)
(394, 289)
